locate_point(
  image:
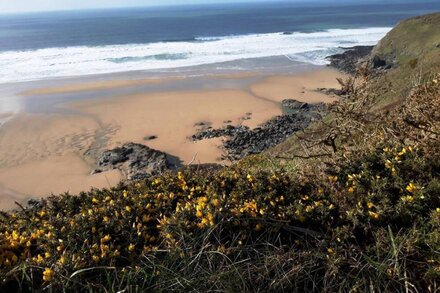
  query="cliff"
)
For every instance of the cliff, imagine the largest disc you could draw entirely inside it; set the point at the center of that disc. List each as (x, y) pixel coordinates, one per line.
(411, 53)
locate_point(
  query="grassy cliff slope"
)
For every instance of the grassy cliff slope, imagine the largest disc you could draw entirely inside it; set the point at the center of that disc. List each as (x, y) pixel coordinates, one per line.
(412, 48)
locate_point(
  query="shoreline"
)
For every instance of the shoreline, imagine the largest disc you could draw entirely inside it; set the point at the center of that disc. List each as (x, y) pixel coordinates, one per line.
(56, 151)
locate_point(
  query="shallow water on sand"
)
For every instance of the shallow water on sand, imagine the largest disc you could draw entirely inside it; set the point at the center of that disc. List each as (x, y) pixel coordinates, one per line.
(31, 97)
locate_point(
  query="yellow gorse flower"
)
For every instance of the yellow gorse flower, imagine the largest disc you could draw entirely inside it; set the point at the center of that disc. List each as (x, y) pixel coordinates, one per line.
(373, 215)
(408, 198)
(215, 202)
(411, 187)
(48, 275)
(106, 239)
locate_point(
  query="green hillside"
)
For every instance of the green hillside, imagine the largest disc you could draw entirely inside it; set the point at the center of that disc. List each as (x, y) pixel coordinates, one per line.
(415, 38)
(412, 48)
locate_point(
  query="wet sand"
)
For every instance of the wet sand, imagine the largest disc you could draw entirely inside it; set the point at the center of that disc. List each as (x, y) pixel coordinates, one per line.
(91, 86)
(41, 154)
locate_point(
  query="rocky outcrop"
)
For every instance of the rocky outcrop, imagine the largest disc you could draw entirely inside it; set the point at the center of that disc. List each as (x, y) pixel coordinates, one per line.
(136, 161)
(228, 130)
(243, 141)
(350, 59)
(257, 140)
(380, 63)
(292, 106)
(332, 91)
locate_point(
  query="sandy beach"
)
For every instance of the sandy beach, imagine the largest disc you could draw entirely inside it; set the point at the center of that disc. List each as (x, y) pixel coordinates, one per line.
(43, 153)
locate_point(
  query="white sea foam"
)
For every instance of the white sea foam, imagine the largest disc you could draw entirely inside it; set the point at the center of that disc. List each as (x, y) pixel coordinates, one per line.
(70, 61)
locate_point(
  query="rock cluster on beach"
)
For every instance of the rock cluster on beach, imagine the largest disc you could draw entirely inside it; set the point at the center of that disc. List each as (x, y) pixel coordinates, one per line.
(243, 141)
(354, 57)
(350, 59)
(136, 161)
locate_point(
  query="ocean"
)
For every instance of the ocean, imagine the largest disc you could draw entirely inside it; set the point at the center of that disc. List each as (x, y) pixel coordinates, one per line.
(60, 44)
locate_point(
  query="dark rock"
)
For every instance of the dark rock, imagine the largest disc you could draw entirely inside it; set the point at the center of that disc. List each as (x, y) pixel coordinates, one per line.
(243, 141)
(202, 124)
(332, 91)
(227, 121)
(378, 62)
(291, 106)
(294, 104)
(349, 60)
(150, 137)
(136, 161)
(96, 171)
(228, 130)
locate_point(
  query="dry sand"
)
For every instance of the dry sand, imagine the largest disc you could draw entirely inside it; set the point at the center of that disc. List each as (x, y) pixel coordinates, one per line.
(43, 154)
(302, 87)
(172, 116)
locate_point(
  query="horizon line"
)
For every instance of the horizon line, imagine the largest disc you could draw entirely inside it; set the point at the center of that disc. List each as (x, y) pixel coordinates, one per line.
(177, 5)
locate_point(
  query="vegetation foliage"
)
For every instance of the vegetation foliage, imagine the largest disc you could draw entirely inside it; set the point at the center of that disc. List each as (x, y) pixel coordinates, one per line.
(360, 212)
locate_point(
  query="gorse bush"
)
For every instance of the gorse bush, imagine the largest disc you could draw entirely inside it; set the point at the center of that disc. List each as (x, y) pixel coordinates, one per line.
(367, 219)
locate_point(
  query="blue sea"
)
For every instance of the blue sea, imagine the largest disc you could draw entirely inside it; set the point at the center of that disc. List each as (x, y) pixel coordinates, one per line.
(59, 44)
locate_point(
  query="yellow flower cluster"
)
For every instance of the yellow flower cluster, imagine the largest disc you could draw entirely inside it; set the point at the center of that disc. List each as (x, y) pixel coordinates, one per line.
(16, 245)
(395, 157)
(104, 228)
(352, 182)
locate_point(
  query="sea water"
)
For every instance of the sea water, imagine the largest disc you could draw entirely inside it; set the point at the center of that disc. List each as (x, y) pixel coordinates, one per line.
(58, 44)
